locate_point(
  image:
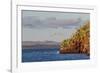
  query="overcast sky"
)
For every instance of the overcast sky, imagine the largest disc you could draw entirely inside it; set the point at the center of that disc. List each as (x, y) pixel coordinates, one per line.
(50, 26)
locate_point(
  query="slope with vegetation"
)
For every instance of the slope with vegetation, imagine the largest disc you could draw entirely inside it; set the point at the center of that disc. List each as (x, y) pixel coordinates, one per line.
(79, 42)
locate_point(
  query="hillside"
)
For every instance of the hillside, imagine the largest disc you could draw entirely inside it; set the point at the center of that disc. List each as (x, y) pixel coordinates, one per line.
(79, 42)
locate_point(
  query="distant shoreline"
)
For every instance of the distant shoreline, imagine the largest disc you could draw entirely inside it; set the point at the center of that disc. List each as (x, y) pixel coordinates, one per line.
(40, 44)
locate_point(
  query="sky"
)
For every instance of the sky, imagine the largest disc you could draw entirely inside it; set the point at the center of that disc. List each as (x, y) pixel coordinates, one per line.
(50, 26)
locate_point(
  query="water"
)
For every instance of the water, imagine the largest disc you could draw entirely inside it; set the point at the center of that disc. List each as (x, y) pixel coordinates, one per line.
(38, 55)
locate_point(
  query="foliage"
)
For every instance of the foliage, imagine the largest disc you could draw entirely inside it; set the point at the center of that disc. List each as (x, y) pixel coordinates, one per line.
(79, 42)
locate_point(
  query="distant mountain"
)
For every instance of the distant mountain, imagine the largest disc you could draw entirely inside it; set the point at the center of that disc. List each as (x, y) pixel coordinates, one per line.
(40, 44)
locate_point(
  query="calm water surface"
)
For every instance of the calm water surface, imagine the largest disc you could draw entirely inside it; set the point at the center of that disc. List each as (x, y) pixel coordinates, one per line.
(48, 54)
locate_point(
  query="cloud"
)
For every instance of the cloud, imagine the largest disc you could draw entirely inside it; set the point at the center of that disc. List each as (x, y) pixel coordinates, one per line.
(51, 22)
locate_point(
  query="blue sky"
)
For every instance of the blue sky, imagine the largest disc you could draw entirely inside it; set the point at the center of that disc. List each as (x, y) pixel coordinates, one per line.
(50, 26)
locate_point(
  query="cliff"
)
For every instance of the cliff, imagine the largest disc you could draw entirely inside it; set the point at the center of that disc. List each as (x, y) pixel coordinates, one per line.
(79, 42)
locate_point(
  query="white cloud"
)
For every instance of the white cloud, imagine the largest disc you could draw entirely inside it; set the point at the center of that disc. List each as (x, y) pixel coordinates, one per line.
(31, 22)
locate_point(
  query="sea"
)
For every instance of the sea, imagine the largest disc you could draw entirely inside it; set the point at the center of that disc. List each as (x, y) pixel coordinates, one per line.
(49, 54)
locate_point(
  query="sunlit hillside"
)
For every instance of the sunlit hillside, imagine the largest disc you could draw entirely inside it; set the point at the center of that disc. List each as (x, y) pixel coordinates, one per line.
(78, 42)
